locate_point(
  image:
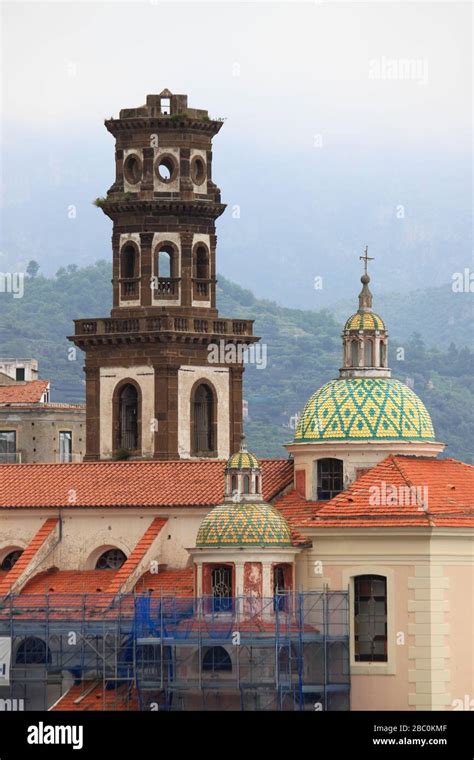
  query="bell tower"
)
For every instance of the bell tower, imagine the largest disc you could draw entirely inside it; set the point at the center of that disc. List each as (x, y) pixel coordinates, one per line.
(154, 387)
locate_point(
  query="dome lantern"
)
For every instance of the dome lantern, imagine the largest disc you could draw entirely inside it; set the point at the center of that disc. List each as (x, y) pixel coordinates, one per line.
(243, 476)
(365, 338)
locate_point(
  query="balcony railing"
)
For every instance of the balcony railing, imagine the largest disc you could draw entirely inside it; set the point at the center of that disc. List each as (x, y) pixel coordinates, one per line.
(10, 457)
(166, 287)
(200, 289)
(68, 457)
(221, 327)
(129, 287)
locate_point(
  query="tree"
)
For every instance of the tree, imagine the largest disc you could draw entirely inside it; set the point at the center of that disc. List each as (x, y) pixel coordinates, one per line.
(32, 268)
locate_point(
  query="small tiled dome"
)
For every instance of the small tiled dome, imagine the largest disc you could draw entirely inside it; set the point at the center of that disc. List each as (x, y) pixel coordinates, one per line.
(364, 321)
(364, 408)
(240, 524)
(243, 459)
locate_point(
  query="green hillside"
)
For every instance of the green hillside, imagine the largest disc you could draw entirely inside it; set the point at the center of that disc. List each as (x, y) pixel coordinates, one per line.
(303, 352)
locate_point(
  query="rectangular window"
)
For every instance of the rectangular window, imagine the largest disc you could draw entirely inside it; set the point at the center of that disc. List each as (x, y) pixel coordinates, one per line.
(65, 446)
(330, 478)
(20, 373)
(222, 588)
(7, 446)
(370, 618)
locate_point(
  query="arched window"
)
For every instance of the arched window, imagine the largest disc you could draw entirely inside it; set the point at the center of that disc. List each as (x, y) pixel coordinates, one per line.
(201, 272)
(221, 585)
(369, 353)
(330, 478)
(129, 260)
(202, 263)
(128, 418)
(33, 651)
(164, 263)
(112, 559)
(354, 353)
(257, 484)
(166, 270)
(246, 484)
(129, 271)
(203, 420)
(233, 483)
(370, 618)
(383, 354)
(217, 660)
(10, 559)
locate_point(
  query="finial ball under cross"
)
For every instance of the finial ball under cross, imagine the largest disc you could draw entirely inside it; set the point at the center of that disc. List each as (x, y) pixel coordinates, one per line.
(366, 258)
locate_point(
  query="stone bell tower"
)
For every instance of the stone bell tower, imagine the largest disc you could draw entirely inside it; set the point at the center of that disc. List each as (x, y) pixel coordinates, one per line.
(164, 371)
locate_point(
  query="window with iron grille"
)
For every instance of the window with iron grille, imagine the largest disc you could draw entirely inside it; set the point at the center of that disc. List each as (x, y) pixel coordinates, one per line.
(128, 418)
(330, 478)
(112, 559)
(203, 418)
(11, 558)
(222, 587)
(370, 618)
(216, 660)
(33, 651)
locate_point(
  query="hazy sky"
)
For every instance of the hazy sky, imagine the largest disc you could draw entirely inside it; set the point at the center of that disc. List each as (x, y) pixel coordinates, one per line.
(273, 69)
(336, 113)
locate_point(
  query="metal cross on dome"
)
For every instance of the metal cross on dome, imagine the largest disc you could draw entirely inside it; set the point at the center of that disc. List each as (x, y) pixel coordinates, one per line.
(366, 258)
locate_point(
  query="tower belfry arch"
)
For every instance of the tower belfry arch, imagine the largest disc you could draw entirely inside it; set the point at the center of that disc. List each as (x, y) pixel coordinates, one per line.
(163, 205)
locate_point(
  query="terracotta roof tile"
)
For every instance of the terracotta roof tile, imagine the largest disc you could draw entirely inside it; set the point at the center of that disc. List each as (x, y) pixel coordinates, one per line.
(27, 556)
(90, 696)
(398, 492)
(29, 392)
(137, 554)
(177, 582)
(70, 582)
(124, 484)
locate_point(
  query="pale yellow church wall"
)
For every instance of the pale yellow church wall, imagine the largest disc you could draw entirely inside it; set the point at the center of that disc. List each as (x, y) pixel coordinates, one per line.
(460, 637)
(85, 535)
(430, 577)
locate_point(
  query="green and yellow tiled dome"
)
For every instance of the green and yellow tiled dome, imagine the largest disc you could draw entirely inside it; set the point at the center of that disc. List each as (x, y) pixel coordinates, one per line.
(244, 525)
(360, 408)
(365, 321)
(243, 459)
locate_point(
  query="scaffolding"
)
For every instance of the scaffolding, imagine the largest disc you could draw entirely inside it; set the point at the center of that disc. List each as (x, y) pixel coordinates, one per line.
(288, 652)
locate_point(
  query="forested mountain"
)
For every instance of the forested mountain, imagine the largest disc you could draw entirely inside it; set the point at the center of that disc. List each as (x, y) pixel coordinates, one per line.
(303, 350)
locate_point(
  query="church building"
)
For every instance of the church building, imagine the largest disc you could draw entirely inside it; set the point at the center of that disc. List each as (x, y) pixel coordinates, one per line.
(174, 570)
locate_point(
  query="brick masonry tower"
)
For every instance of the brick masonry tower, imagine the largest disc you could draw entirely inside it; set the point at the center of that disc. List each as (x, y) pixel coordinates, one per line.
(152, 390)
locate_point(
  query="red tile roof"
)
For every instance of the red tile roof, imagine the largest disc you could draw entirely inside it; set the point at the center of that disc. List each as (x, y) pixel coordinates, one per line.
(70, 582)
(124, 484)
(441, 495)
(177, 582)
(137, 554)
(29, 392)
(90, 695)
(27, 556)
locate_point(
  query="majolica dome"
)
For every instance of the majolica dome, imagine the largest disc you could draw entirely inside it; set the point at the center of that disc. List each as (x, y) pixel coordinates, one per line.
(364, 408)
(243, 459)
(365, 321)
(241, 524)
